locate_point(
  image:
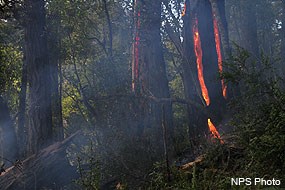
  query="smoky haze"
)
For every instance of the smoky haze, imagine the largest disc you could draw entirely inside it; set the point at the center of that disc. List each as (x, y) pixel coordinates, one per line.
(128, 93)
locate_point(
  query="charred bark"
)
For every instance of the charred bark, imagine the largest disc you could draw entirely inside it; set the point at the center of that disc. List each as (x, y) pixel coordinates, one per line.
(210, 59)
(219, 14)
(218, 9)
(192, 89)
(40, 115)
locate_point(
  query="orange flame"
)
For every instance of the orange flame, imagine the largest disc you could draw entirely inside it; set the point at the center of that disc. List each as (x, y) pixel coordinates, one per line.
(219, 54)
(199, 55)
(214, 131)
(184, 10)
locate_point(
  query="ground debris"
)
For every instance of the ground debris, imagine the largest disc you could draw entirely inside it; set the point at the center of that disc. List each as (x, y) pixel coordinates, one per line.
(47, 169)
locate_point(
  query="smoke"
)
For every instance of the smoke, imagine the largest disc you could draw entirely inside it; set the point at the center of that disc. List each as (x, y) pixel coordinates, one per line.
(8, 141)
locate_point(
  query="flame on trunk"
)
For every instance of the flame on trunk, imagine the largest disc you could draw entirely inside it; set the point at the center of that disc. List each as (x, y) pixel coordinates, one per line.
(199, 55)
(215, 133)
(219, 53)
(135, 66)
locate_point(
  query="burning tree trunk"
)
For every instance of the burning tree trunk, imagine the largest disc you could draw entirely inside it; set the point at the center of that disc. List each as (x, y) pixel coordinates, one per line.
(201, 79)
(190, 77)
(219, 16)
(40, 116)
(205, 29)
(221, 36)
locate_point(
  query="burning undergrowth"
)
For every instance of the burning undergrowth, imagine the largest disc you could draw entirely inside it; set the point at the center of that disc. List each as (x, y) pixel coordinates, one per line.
(256, 145)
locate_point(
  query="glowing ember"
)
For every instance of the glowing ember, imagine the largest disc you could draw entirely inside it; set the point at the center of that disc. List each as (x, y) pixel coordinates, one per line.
(184, 10)
(219, 54)
(135, 70)
(199, 55)
(214, 131)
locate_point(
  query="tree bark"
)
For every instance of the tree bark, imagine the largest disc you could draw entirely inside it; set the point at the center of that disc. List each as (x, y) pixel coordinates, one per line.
(54, 43)
(109, 28)
(150, 77)
(282, 34)
(39, 77)
(22, 131)
(218, 9)
(153, 77)
(191, 86)
(248, 27)
(210, 59)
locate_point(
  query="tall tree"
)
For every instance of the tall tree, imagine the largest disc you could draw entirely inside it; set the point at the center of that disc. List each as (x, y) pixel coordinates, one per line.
(40, 115)
(54, 46)
(282, 33)
(190, 76)
(151, 71)
(248, 27)
(210, 59)
(22, 128)
(219, 13)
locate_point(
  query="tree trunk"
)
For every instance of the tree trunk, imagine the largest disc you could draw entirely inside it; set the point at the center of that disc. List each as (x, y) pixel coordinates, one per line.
(149, 73)
(154, 79)
(282, 34)
(218, 9)
(219, 16)
(248, 27)
(192, 89)
(210, 59)
(55, 63)
(22, 131)
(40, 115)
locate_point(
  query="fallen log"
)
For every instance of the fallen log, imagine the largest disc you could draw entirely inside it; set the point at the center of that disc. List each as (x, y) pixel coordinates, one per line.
(191, 164)
(49, 169)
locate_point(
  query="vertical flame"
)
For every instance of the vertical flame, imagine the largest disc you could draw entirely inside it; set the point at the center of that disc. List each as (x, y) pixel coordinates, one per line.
(215, 133)
(219, 54)
(135, 70)
(199, 55)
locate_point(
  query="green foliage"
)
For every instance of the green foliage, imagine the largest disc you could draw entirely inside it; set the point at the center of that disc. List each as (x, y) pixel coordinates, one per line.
(158, 178)
(89, 178)
(259, 115)
(10, 63)
(256, 146)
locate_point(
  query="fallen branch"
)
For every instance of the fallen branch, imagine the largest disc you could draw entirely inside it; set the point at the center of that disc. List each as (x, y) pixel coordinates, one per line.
(43, 170)
(191, 164)
(153, 99)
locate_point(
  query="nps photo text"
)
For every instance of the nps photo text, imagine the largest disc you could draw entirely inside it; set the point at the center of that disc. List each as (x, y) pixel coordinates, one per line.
(255, 181)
